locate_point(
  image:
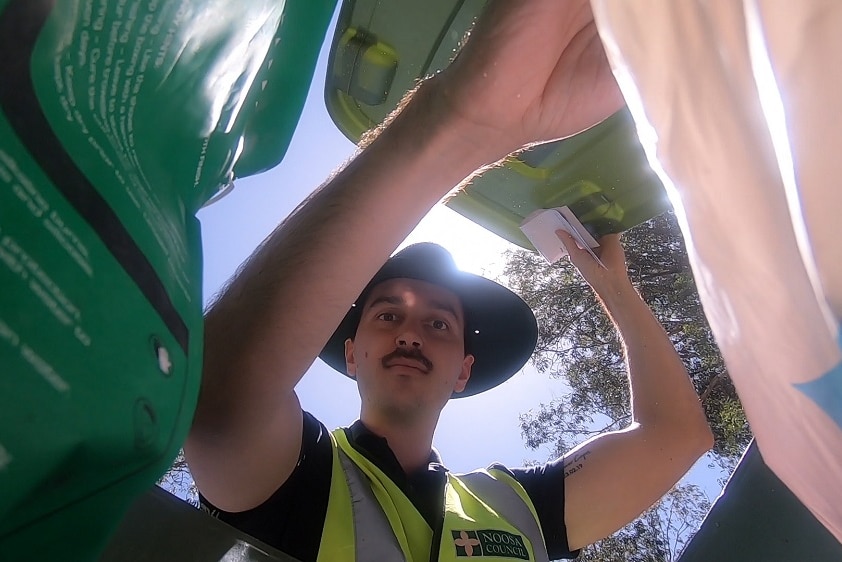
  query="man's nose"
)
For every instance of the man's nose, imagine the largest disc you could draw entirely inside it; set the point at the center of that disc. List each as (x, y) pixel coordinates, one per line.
(408, 338)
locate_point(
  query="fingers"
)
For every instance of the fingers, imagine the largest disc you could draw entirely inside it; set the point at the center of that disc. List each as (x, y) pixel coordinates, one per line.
(578, 255)
(566, 87)
(610, 252)
(606, 273)
(570, 243)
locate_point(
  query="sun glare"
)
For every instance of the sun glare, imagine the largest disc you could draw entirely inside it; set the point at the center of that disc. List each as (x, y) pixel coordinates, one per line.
(775, 113)
(474, 248)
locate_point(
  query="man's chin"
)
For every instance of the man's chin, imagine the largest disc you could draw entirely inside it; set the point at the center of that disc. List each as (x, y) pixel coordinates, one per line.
(409, 404)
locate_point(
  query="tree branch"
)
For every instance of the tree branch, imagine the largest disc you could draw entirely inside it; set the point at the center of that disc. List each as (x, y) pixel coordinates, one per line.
(711, 385)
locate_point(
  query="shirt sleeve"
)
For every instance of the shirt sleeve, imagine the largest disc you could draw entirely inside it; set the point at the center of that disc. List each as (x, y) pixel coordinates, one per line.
(545, 486)
(292, 519)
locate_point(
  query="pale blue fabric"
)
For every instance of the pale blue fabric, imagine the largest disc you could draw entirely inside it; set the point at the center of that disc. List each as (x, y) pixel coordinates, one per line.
(826, 391)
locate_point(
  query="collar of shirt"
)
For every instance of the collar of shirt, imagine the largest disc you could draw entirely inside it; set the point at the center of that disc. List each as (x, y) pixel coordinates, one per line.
(424, 488)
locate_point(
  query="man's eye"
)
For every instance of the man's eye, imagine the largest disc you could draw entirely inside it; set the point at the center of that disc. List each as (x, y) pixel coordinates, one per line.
(387, 316)
(439, 325)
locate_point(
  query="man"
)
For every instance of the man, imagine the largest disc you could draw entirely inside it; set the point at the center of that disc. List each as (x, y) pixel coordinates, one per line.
(252, 449)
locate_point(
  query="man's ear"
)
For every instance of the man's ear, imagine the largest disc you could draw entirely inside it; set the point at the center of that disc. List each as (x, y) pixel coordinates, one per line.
(350, 362)
(465, 374)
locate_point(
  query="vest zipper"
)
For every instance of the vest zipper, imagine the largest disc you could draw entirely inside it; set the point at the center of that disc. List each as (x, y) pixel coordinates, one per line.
(435, 544)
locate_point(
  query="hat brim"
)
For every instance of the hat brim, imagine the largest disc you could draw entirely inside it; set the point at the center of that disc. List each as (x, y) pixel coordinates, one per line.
(500, 327)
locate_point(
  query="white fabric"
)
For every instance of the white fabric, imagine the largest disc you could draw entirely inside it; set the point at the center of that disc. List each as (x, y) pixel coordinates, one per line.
(737, 105)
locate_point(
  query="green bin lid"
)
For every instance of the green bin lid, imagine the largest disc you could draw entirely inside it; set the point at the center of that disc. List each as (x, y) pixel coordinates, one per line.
(381, 49)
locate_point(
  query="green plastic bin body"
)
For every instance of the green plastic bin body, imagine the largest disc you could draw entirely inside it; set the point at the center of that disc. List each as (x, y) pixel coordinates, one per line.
(758, 519)
(119, 119)
(159, 527)
(381, 49)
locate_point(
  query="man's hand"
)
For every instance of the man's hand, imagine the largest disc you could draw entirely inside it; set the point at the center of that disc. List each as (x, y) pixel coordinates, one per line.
(605, 281)
(531, 71)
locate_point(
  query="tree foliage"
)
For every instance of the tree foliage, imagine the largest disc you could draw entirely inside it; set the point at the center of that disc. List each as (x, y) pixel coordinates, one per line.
(659, 534)
(179, 482)
(578, 342)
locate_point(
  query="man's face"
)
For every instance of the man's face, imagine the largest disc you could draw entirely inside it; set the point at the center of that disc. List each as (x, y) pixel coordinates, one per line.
(408, 355)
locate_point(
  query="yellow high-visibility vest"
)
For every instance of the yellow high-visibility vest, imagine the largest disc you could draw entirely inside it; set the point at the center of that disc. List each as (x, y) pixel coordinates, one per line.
(487, 514)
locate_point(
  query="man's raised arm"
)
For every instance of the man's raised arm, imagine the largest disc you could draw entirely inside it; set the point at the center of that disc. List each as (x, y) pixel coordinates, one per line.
(614, 477)
(274, 317)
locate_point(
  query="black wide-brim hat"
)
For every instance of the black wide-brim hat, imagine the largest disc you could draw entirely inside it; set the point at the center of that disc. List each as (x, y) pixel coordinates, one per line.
(500, 329)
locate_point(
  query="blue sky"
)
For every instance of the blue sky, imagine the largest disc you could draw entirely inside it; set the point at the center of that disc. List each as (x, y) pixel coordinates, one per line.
(473, 432)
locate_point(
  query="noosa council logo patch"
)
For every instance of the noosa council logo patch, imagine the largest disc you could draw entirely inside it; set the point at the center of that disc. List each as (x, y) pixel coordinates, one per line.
(489, 542)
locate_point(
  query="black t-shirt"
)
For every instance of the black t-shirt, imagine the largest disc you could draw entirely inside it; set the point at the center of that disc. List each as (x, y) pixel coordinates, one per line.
(292, 519)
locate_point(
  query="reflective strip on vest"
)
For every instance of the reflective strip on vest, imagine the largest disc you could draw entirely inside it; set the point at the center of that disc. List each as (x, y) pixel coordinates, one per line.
(373, 536)
(487, 514)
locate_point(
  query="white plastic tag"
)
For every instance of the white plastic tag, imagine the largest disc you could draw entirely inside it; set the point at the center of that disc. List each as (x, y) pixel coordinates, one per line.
(541, 225)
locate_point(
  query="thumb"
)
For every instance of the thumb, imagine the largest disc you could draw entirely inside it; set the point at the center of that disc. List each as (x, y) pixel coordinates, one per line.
(568, 241)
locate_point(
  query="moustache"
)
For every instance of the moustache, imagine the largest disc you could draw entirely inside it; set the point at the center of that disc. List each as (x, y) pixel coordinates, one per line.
(412, 353)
